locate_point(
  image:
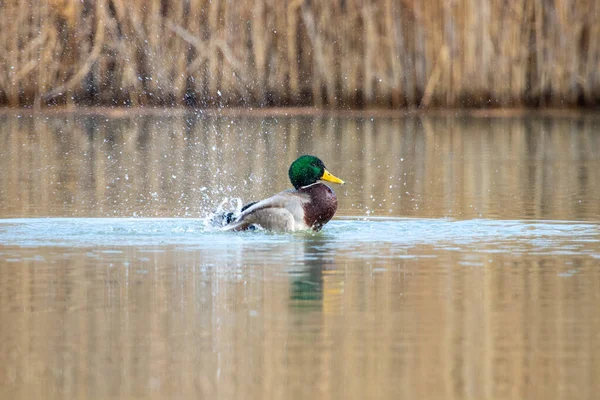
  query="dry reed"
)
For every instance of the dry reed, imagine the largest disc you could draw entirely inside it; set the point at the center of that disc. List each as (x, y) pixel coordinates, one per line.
(336, 54)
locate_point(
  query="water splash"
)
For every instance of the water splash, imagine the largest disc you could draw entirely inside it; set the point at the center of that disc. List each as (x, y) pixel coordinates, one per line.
(227, 211)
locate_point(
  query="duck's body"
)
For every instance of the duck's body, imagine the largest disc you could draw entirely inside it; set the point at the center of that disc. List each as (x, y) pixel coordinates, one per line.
(310, 205)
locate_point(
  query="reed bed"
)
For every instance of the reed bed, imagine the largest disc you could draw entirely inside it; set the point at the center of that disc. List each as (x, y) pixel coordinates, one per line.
(333, 54)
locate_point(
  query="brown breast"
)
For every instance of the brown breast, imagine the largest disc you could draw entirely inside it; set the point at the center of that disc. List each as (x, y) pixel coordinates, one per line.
(321, 207)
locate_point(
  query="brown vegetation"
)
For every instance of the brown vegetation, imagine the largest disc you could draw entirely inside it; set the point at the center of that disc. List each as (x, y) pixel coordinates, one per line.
(343, 53)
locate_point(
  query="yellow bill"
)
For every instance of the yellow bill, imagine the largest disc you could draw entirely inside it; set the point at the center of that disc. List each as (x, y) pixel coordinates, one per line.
(330, 178)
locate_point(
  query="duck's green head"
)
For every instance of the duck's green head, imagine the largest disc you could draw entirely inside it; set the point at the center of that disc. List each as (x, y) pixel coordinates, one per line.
(307, 170)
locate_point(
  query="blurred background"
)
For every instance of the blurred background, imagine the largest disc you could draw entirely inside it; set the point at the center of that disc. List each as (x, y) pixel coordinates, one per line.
(336, 54)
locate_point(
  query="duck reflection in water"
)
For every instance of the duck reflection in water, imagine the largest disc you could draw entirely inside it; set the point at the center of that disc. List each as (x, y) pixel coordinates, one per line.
(308, 286)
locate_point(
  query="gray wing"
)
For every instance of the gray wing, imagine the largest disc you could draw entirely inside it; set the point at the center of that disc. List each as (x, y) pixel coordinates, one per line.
(281, 212)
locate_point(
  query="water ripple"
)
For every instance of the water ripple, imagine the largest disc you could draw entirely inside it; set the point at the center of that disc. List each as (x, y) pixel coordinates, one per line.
(396, 234)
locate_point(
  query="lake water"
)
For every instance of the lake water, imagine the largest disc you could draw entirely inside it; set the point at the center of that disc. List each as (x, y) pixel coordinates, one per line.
(463, 262)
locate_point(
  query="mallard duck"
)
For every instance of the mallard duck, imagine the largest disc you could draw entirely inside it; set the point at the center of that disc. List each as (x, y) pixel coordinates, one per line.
(309, 205)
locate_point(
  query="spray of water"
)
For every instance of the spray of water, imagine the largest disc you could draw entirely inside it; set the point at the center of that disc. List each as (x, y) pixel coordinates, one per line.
(227, 211)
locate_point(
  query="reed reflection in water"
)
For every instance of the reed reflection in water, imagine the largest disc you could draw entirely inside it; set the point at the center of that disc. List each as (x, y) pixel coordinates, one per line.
(92, 165)
(160, 309)
(166, 323)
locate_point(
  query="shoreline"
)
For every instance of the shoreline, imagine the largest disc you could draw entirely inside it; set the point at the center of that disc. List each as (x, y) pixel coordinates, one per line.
(306, 111)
